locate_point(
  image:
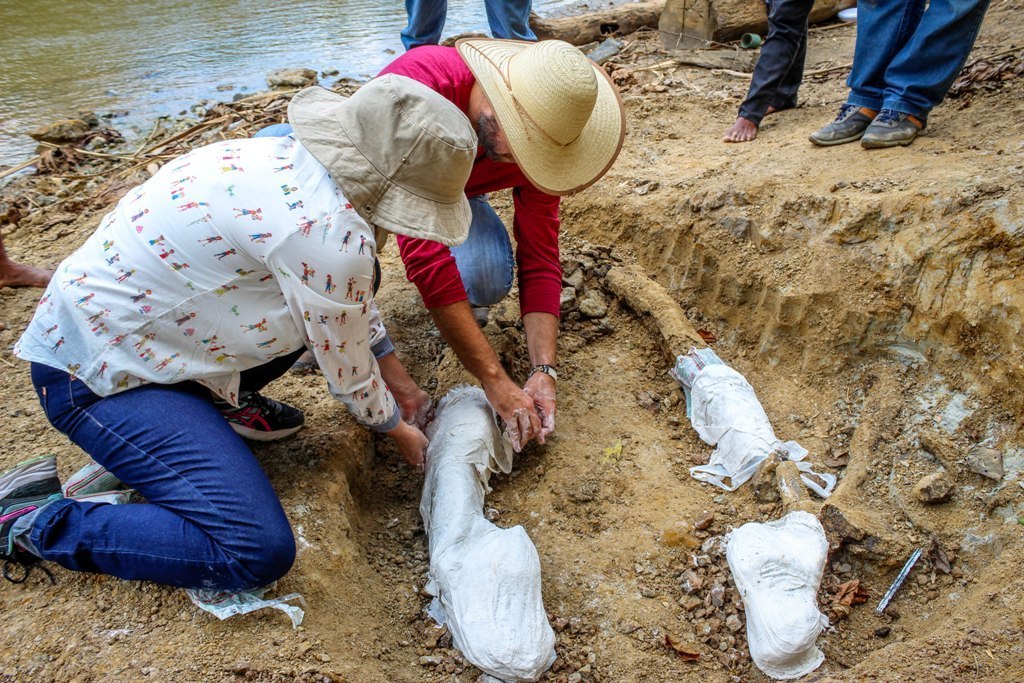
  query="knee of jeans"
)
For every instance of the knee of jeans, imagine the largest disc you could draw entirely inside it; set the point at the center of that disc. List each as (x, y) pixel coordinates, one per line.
(273, 559)
(488, 288)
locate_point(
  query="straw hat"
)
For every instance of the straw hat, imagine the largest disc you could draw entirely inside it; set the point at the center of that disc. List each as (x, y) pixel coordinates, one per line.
(401, 153)
(560, 112)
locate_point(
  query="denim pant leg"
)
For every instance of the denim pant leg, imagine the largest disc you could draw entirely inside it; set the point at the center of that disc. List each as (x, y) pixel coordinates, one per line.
(883, 28)
(426, 21)
(786, 41)
(921, 73)
(274, 130)
(485, 259)
(510, 19)
(211, 520)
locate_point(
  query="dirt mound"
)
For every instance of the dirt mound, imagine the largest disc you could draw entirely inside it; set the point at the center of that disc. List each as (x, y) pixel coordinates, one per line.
(872, 300)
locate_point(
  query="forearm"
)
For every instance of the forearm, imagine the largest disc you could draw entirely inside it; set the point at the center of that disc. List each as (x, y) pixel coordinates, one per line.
(541, 337)
(396, 376)
(460, 330)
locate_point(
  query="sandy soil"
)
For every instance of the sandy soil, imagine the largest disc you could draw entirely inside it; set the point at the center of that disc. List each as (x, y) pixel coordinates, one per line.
(869, 296)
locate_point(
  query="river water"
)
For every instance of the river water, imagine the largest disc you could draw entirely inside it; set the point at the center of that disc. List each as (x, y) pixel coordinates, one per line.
(143, 59)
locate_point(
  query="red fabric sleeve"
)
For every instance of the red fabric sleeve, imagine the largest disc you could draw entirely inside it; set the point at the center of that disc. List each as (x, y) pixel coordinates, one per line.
(431, 267)
(535, 227)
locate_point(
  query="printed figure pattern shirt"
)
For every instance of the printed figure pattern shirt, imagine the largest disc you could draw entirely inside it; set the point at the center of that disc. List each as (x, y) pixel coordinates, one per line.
(228, 257)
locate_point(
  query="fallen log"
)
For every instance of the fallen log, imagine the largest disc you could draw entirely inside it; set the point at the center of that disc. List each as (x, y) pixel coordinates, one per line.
(586, 28)
(693, 23)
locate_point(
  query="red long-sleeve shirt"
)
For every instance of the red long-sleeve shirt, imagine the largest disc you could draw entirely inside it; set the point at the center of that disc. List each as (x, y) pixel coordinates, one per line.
(431, 266)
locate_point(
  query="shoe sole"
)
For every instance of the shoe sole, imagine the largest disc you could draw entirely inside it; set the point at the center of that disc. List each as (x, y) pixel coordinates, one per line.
(840, 141)
(882, 144)
(31, 471)
(257, 435)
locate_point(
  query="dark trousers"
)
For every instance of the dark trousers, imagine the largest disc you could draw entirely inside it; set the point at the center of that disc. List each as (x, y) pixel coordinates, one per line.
(780, 68)
(211, 518)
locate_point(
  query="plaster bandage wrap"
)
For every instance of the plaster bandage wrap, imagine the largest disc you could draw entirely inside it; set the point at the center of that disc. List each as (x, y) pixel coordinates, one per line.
(777, 568)
(725, 412)
(486, 580)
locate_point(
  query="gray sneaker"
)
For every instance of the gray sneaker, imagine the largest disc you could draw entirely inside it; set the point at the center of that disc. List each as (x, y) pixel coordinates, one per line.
(892, 128)
(24, 489)
(848, 126)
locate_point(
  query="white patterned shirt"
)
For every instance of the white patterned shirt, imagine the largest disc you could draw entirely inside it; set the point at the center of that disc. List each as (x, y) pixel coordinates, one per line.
(230, 256)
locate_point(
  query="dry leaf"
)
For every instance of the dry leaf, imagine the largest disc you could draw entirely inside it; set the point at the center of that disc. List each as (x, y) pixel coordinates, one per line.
(688, 652)
(707, 336)
(939, 558)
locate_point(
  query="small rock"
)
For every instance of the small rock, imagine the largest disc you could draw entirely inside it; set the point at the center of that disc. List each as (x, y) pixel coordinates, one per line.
(704, 521)
(718, 595)
(291, 78)
(241, 667)
(560, 624)
(692, 582)
(883, 631)
(934, 488)
(324, 657)
(61, 132)
(690, 603)
(733, 623)
(330, 71)
(567, 298)
(575, 279)
(988, 462)
(593, 304)
(430, 660)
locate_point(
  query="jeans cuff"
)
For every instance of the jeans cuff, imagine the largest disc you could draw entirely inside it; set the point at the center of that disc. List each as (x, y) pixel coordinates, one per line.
(384, 347)
(861, 101)
(390, 424)
(42, 519)
(905, 107)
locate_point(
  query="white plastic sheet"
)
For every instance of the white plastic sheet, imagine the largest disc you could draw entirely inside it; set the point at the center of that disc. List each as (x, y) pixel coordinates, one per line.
(224, 604)
(725, 412)
(486, 579)
(777, 568)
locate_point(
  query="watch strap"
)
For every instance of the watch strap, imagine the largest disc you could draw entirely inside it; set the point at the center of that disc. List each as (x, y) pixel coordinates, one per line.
(548, 370)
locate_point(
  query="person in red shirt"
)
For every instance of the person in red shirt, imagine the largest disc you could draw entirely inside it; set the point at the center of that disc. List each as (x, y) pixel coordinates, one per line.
(550, 123)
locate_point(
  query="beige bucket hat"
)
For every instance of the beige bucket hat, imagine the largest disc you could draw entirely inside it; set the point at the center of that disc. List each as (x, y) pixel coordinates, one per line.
(401, 153)
(560, 112)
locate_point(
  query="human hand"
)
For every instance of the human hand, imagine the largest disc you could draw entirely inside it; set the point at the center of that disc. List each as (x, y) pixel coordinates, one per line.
(516, 408)
(412, 444)
(541, 388)
(417, 408)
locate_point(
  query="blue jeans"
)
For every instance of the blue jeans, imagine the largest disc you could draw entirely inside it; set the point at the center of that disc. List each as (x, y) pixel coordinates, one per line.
(906, 58)
(507, 19)
(211, 518)
(485, 260)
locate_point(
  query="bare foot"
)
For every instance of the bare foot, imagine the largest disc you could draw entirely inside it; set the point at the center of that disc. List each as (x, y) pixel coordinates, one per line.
(741, 131)
(19, 275)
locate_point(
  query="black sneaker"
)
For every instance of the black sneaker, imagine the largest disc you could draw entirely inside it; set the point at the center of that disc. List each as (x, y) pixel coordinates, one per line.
(848, 126)
(892, 128)
(262, 419)
(28, 486)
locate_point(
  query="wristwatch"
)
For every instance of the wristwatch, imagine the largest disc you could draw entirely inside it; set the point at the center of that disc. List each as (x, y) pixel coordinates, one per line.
(548, 370)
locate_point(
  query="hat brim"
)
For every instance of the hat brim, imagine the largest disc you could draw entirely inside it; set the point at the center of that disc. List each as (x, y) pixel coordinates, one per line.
(316, 117)
(554, 169)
